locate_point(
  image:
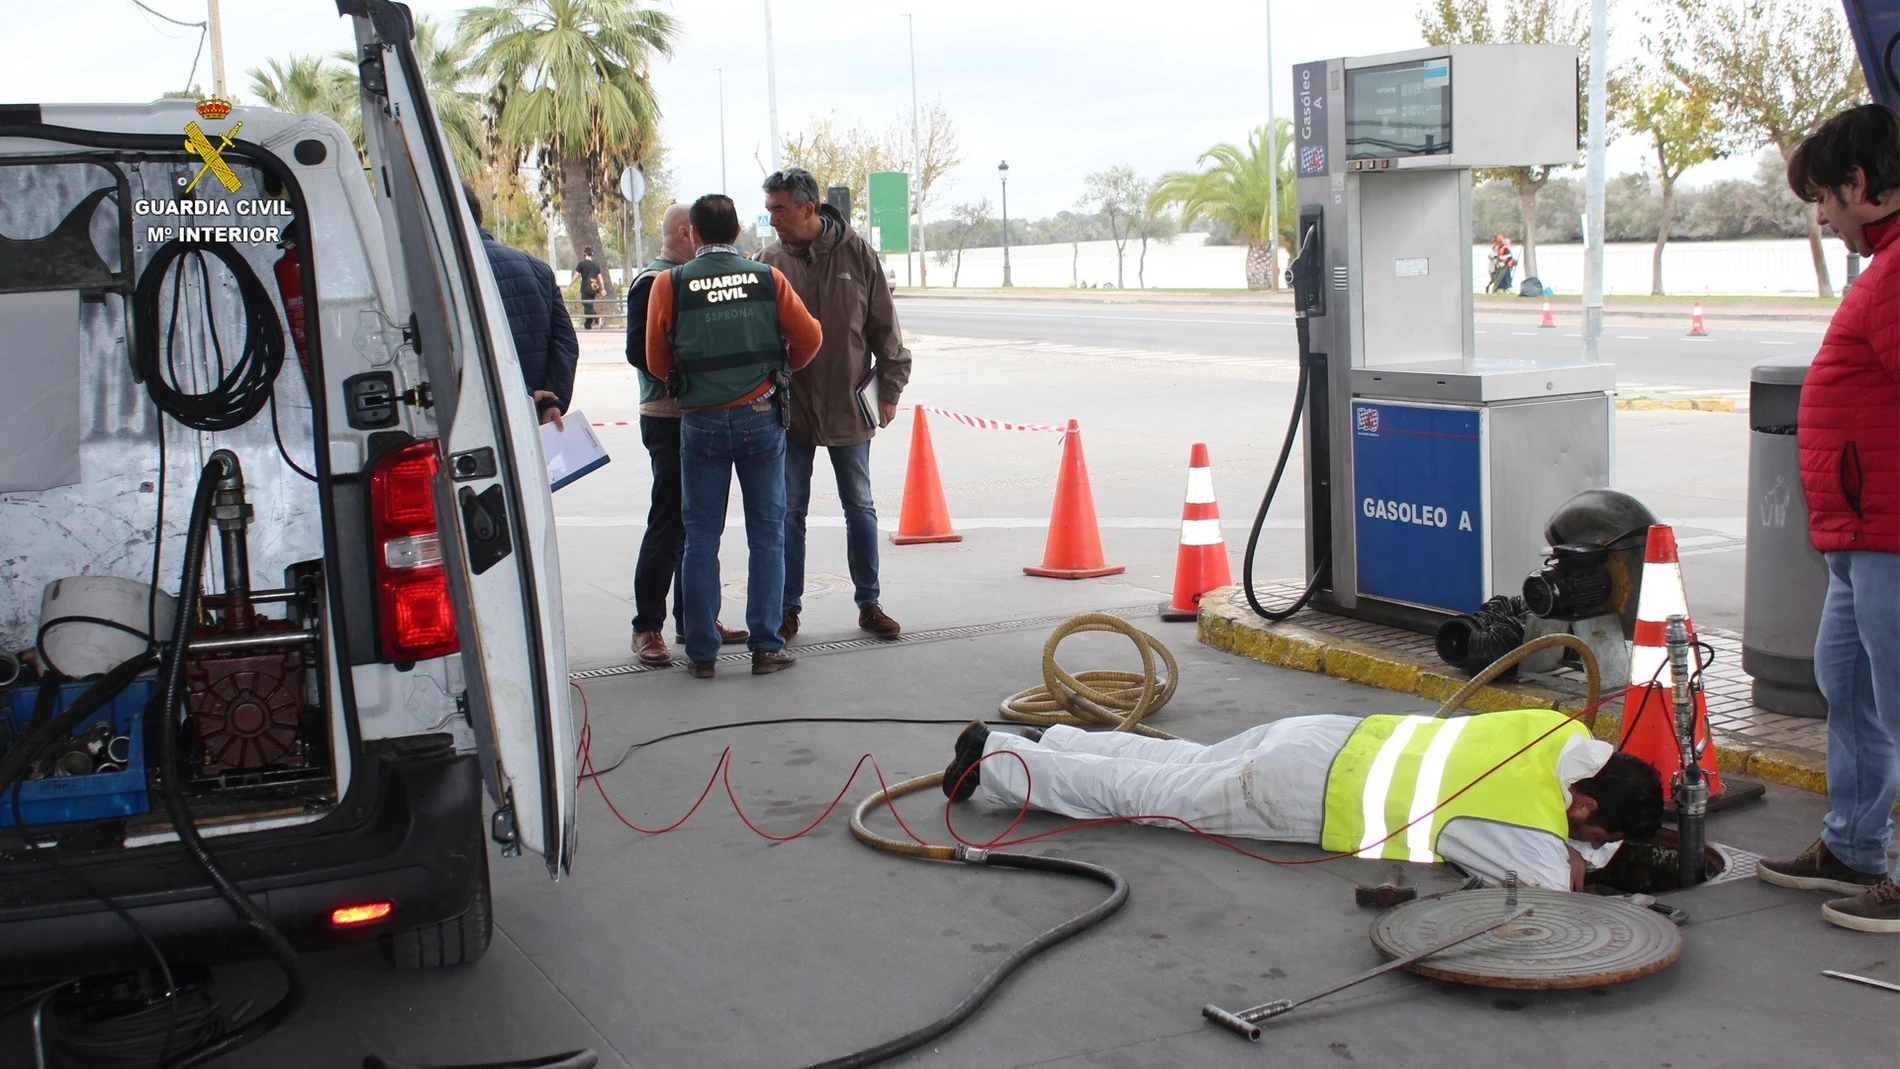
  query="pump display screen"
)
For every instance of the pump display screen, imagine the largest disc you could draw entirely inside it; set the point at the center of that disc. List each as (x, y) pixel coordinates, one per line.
(1403, 109)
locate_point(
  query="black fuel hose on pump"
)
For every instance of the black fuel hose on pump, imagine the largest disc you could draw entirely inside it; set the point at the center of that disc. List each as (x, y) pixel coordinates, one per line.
(1306, 279)
(171, 688)
(962, 1011)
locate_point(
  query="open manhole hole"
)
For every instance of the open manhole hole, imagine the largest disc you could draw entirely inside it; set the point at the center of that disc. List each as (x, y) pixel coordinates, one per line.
(1654, 866)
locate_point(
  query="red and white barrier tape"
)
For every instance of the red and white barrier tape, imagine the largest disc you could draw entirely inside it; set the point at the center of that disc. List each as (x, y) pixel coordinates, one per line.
(981, 423)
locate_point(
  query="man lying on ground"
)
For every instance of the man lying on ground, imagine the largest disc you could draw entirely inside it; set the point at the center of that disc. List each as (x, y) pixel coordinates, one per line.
(1555, 810)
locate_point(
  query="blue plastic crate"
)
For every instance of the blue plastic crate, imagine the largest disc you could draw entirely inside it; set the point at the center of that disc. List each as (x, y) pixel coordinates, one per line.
(65, 799)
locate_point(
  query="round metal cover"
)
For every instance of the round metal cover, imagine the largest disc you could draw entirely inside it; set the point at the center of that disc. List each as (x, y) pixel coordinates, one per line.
(1570, 940)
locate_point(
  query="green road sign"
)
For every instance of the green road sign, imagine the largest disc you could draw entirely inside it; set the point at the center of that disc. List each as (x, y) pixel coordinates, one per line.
(890, 210)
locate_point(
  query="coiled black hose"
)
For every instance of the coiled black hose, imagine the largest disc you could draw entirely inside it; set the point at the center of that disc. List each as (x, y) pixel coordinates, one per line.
(245, 387)
(171, 687)
(1101, 911)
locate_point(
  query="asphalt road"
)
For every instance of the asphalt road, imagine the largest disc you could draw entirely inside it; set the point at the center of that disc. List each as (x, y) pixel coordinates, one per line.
(1650, 355)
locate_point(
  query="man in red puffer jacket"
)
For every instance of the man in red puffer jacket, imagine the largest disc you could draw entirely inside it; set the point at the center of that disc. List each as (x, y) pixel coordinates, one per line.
(1850, 471)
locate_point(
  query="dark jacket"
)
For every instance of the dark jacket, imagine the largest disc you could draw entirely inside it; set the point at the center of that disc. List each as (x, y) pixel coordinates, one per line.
(544, 335)
(841, 280)
(653, 398)
(1849, 424)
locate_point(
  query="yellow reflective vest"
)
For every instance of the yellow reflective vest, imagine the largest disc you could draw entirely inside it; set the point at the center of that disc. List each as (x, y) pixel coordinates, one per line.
(1395, 769)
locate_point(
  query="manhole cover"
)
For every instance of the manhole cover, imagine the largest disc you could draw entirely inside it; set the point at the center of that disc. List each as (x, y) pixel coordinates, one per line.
(817, 585)
(1569, 940)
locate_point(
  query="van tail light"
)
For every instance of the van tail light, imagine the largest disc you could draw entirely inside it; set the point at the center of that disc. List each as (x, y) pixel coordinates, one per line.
(412, 589)
(366, 913)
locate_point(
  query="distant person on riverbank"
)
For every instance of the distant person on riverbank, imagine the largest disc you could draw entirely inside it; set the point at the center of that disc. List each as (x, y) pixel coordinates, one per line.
(1849, 438)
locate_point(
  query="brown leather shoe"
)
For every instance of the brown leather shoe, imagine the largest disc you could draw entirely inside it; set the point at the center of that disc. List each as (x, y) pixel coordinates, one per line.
(872, 618)
(651, 648)
(727, 636)
(765, 662)
(1876, 909)
(788, 627)
(701, 669)
(1816, 869)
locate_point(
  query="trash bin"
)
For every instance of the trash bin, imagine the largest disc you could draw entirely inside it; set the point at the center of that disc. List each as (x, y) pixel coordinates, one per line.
(1785, 580)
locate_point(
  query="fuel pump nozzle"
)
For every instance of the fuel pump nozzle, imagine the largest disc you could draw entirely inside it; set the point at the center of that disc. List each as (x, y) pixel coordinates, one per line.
(231, 515)
(1690, 787)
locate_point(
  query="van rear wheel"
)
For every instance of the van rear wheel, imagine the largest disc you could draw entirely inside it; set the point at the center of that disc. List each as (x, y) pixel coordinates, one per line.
(459, 941)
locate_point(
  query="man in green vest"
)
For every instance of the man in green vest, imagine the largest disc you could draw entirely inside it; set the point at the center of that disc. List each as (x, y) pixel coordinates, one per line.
(656, 570)
(724, 333)
(1529, 792)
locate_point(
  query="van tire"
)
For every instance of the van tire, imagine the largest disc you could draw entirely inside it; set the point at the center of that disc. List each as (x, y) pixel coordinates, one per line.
(459, 941)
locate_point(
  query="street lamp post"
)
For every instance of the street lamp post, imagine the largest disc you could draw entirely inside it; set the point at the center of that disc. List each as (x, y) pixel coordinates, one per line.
(721, 71)
(916, 152)
(1002, 170)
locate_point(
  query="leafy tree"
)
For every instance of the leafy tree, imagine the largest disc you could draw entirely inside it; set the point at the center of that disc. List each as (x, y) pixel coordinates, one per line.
(1121, 197)
(1678, 117)
(845, 157)
(1230, 191)
(573, 90)
(1776, 68)
(966, 222)
(1153, 223)
(1632, 208)
(301, 85)
(1524, 22)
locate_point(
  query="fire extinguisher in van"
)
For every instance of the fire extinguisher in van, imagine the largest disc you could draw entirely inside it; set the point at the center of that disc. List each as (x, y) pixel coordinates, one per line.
(290, 287)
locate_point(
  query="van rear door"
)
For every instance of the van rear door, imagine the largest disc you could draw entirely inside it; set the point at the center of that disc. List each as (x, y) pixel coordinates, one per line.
(492, 500)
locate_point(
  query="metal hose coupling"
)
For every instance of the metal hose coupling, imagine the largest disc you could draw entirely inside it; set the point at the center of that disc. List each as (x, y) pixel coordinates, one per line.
(972, 855)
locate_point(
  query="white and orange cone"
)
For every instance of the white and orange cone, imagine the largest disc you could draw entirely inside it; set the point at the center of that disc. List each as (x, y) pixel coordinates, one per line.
(1549, 320)
(1696, 329)
(1201, 563)
(1649, 714)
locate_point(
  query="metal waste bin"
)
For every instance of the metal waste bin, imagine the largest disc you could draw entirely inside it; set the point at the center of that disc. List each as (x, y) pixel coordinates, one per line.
(1785, 580)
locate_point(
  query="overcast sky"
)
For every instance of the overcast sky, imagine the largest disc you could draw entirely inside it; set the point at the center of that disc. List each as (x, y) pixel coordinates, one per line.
(1058, 88)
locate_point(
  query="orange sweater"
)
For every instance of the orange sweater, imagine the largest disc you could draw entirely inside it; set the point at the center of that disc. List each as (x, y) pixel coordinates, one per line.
(802, 333)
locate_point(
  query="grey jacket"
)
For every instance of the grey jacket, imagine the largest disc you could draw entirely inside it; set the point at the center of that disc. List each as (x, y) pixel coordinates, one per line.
(841, 280)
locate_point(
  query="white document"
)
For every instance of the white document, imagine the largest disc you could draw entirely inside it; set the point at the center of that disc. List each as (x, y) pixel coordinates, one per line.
(571, 453)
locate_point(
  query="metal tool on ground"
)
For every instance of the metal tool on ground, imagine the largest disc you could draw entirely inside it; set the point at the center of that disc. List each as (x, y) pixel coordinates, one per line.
(1247, 1022)
(1868, 980)
(1573, 941)
(1388, 894)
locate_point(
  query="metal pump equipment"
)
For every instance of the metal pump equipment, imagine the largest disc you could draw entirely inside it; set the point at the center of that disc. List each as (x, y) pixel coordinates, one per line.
(1690, 787)
(1429, 469)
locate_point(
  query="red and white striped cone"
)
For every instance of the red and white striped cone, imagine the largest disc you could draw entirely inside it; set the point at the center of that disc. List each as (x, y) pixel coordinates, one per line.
(1201, 563)
(1549, 320)
(1649, 711)
(1696, 329)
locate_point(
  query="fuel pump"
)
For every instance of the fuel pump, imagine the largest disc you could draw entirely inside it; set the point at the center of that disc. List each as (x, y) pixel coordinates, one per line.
(1429, 469)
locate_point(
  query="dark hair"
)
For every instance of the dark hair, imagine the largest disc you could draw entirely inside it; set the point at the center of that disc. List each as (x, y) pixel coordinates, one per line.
(474, 201)
(1867, 137)
(794, 180)
(716, 219)
(1628, 794)
(587, 250)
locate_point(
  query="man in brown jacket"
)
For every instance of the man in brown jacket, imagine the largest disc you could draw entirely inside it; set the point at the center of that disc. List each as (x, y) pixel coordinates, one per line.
(841, 280)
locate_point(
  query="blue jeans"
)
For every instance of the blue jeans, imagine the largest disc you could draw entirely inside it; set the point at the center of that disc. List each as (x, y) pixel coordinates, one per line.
(714, 443)
(852, 465)
(1857, 664)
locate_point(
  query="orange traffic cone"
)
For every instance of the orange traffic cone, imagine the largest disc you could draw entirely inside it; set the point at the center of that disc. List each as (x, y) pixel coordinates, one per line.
(1074, 550)
(1201, 563)
(925, 516)
(1696, 330)
(1649, 712)
(1549, 320)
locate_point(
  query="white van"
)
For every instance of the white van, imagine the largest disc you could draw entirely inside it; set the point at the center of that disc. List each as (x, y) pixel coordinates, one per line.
(378, 631)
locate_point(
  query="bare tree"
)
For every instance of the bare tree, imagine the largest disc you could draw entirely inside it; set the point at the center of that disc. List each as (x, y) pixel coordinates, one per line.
(1120, 196)
(842, 157)
(1778, 69)
(967, 222)
(940, 154)
(1153, 222)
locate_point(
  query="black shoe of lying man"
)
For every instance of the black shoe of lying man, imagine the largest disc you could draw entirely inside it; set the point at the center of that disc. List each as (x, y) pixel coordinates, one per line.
(960, 776)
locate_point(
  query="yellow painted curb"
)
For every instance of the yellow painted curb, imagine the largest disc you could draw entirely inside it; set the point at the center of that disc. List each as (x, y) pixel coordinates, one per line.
(1676, 404)
(1225, 625)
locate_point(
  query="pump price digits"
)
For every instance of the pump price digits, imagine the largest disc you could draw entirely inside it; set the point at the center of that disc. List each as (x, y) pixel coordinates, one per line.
(1408, 512)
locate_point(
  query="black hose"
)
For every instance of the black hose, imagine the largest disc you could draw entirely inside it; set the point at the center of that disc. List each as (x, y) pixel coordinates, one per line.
(246, 386)
(1101, 911)
(574, 1059)
(14, 763)
(1273, 487)
(170, 690)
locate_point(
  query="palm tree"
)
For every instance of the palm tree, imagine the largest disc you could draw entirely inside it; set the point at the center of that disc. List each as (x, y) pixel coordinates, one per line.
(1230, 189)
(308, 84)
(572, 88)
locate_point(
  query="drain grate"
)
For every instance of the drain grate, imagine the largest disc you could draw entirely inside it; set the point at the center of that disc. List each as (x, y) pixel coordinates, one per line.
(1737, 864)
(851, 645)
